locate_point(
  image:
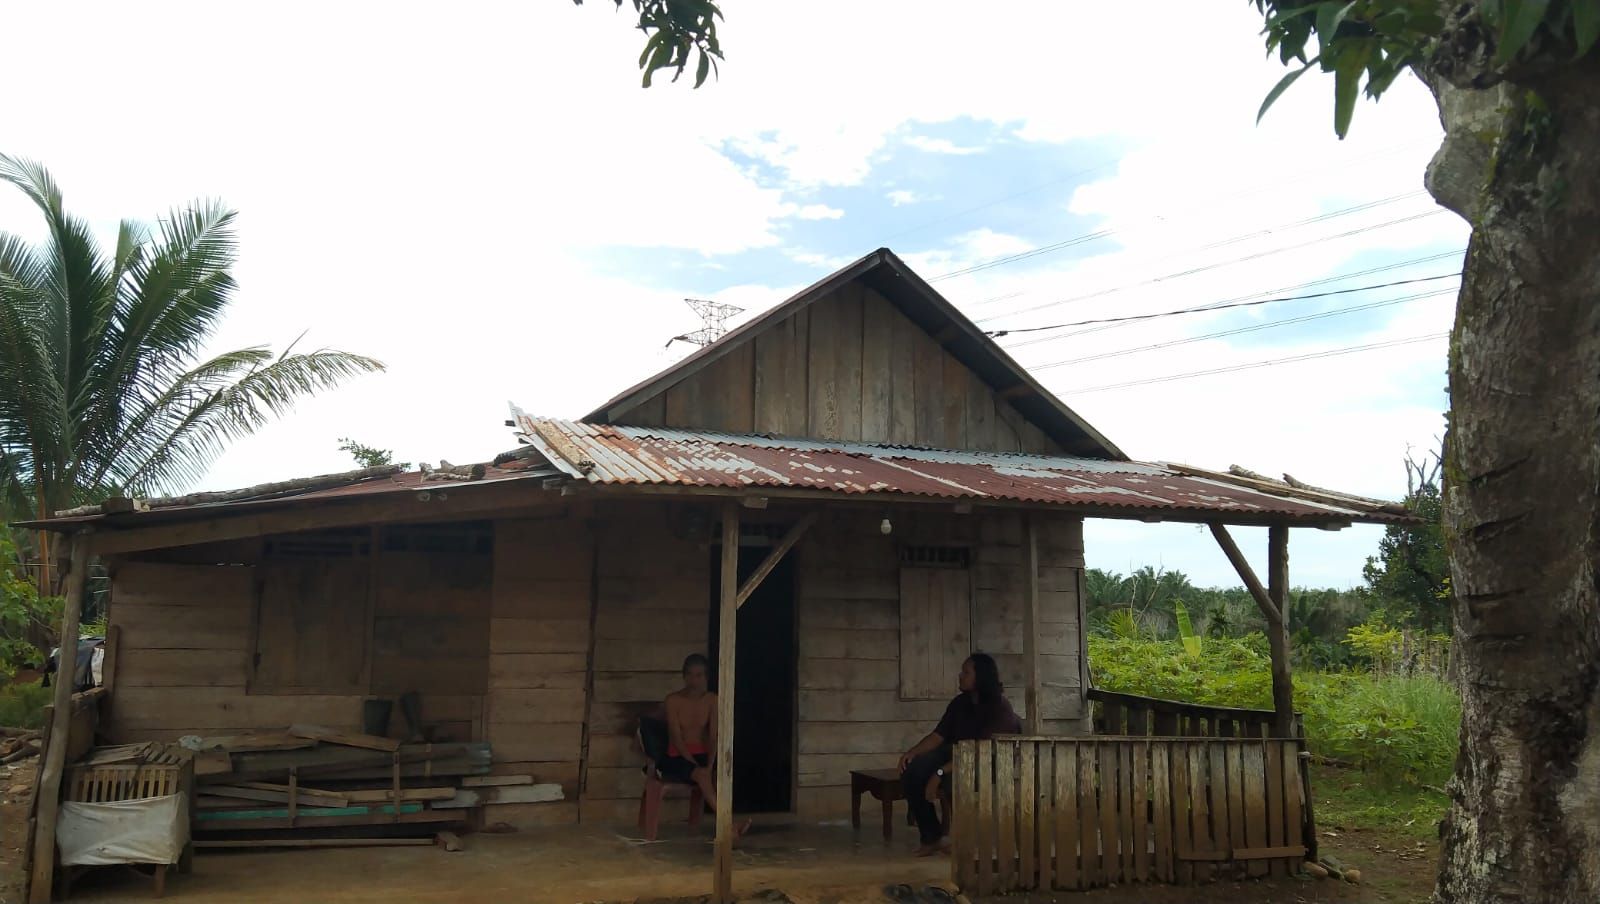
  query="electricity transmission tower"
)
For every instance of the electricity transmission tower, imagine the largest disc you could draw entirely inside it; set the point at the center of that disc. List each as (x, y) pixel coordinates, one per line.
(713, 321)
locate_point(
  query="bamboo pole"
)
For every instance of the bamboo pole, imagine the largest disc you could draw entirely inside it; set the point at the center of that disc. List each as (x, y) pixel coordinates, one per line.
(55, 753)
(727, 637)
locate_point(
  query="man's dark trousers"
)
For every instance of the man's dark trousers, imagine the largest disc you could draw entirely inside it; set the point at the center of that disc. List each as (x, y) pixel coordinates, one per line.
(915, 782)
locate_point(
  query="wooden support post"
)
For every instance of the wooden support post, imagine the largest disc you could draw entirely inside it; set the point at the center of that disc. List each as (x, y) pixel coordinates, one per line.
(773, 558)
(1278, 631)
(727, 637)
(1271, 605)
(1034, 695)
(55, 753)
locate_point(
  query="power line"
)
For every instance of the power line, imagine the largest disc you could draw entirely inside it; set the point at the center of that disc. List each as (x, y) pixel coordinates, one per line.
(1220, 264)
(1221, 307)
(1120, 353)
(1107, 233)
(1338, 277)
(1331, 353)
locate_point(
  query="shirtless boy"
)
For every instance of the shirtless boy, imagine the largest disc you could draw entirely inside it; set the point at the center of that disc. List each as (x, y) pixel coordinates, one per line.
(692, 733)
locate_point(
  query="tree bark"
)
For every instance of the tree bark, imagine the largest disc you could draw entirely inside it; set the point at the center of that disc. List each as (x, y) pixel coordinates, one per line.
(1522, 495)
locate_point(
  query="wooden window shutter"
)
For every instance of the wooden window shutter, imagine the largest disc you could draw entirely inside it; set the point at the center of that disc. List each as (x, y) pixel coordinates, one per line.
(935, 630)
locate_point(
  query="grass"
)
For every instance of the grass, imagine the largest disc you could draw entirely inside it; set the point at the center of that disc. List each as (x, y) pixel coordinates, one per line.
(1401, 729)
(1346, 800)
(22, 705)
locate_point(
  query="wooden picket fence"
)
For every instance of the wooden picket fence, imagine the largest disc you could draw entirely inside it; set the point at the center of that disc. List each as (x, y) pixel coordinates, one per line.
(1077, 813)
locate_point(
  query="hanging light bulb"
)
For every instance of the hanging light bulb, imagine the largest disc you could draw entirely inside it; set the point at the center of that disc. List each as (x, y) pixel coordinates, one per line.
(884, 527)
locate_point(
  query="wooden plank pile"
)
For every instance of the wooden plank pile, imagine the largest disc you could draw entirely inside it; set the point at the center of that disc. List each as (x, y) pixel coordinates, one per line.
(309, 780)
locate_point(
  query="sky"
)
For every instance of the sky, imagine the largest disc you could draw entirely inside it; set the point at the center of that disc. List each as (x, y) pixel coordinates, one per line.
(483, 197)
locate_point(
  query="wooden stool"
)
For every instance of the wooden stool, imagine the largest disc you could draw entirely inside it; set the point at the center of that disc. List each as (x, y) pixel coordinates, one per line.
(884, 785)
(650, 805)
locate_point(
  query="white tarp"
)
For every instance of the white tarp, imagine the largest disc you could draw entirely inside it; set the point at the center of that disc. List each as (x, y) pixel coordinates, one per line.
(152, 830)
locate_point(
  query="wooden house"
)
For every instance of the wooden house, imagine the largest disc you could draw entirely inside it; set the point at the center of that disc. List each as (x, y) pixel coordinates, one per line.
(861, 474)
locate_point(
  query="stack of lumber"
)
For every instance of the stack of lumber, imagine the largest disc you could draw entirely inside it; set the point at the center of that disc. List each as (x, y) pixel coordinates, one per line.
(18, 744)
(312, 778)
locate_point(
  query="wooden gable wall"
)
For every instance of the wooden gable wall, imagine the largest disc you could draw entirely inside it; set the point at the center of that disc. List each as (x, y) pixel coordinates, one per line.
(849, 366)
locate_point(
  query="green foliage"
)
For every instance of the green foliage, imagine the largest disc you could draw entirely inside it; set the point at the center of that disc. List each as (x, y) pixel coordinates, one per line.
(22, 705)
(369, 456)
(23, 613)
(1377, 40)
(1191, 641)
(1400, 728)
(677, 30)
(1410, 575)
(100, 390)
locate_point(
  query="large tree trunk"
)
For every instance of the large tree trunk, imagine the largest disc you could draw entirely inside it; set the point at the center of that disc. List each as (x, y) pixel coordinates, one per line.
(1522, 504)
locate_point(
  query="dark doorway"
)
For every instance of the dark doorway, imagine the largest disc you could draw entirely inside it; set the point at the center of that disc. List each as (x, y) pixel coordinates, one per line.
(763, 708)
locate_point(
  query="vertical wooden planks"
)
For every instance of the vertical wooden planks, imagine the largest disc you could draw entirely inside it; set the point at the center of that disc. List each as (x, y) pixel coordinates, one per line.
(955, 403)
(1199, 810)
(986, 825)
(1217, 765)
(877, 382)
(1110, 850)
(1125, 812)
(1033, 695)
(1066, 873)
(822, 381)
(1236, 816)
(1161, 809)
(1141, 811)
(980, 413)
(1255, 802)
(929, 375)
(1005, 787)
(1293, 811)
(1027, 815)
(1182, 830)
(1089, 814)
(847, 329)
(780, 376)
(902, 377)
(964, 820)
(1046, 815)
(1275, 833)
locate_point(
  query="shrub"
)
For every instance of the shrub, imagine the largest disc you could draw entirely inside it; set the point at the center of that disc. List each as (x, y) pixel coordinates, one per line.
(22, 705)
(1400, 728)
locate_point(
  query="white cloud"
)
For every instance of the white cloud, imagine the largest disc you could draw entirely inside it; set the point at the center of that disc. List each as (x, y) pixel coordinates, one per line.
(437, 190)
(941, 146)
(900, 197)
(813, 211)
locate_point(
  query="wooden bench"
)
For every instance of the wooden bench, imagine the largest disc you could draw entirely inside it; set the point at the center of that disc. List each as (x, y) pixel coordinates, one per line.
(884, 785)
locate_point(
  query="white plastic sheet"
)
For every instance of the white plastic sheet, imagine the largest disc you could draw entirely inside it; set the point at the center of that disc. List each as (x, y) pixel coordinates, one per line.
(152, 830)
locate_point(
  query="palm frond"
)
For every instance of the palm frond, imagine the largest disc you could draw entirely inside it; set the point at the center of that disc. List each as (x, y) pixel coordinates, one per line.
(240, 410)
(151, 417)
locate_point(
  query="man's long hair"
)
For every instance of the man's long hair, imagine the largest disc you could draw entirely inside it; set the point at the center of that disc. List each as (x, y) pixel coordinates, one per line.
(989, 689)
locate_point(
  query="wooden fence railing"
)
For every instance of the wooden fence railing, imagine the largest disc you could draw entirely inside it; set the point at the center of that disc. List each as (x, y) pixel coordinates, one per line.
(1121, 715)
(1077, 813)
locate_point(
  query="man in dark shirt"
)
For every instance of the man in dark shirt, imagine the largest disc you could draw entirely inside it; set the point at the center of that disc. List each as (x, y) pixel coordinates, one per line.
(979, 711)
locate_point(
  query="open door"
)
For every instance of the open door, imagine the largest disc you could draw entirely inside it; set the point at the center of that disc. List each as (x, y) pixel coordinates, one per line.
(764, 707)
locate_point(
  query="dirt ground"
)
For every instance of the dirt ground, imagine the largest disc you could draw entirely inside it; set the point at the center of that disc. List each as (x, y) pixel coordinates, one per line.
(16, 793)
(803, 865)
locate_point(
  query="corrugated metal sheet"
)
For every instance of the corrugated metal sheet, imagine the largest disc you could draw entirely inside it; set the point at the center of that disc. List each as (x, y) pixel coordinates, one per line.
(620, 455)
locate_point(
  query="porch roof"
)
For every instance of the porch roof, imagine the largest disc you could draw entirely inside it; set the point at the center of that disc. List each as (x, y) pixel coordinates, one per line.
(690, 460)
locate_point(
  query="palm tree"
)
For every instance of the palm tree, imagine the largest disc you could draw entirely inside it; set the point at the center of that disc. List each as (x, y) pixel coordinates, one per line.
(101, 389)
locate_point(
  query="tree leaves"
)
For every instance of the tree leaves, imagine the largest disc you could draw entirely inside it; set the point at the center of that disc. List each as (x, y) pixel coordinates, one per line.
(99, 390)
(1520, 19)
(1282, 86)
(1346, 88)
(677, 30)
(1585, 25)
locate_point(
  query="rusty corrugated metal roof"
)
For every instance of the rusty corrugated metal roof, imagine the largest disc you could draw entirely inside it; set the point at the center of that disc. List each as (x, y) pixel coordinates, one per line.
(612, 455)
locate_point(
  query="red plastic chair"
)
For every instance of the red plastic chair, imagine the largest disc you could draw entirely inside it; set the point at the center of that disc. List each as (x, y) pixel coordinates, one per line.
(655, 790)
